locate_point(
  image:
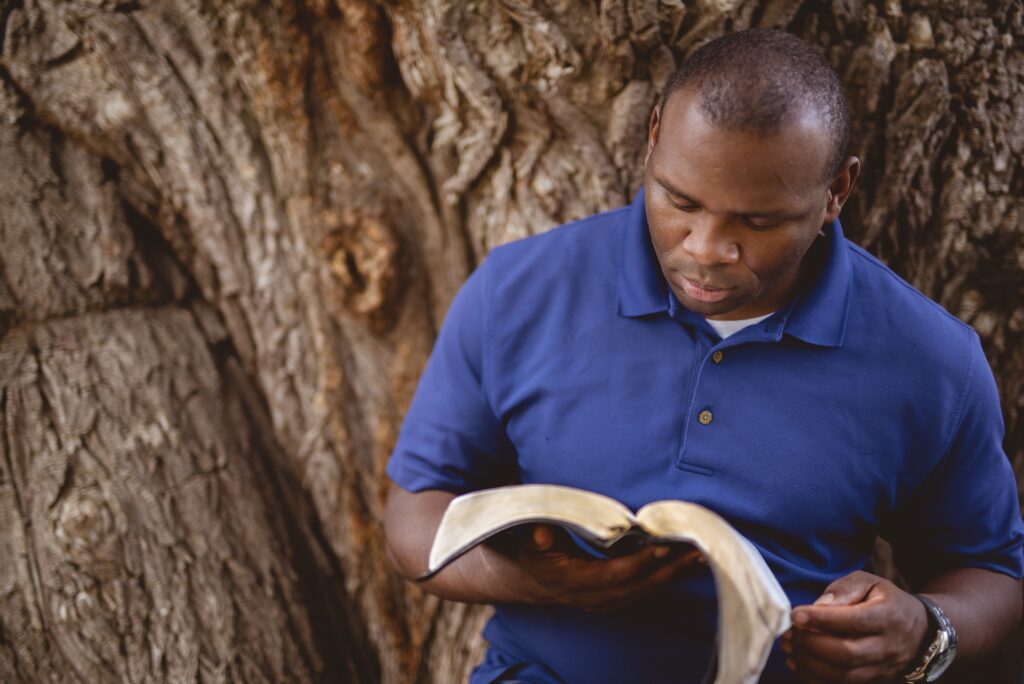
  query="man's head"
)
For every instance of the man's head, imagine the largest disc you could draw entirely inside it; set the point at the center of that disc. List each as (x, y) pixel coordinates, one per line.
(745, 162)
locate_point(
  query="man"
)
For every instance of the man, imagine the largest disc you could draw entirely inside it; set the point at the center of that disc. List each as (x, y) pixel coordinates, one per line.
(719, 341)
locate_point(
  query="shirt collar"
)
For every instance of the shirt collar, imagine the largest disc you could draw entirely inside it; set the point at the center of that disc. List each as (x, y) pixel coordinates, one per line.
(642, 287)
(817, 315)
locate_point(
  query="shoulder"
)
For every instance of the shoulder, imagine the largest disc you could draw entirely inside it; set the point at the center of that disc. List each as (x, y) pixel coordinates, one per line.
(894, 312)
(543, 289)
(924, 363)
(587, 248)
(918, 363)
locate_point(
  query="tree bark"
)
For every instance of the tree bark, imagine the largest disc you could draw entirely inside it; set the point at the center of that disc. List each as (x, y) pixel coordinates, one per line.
(230, 233)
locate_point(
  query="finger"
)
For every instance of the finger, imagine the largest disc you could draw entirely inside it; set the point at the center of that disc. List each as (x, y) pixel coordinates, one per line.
(693, 555)
(592, 595)
(582, 576)
(676, 565)
(645, 584)
(843, 652)
(848, 590)
(630, 568)
(547, 538)
(543, 537)
(860, 620)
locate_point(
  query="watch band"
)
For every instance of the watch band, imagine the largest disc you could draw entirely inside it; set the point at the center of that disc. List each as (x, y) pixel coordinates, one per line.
(939, 654)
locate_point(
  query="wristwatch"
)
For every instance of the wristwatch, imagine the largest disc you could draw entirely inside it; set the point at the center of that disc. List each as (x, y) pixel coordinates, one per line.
(939, 654)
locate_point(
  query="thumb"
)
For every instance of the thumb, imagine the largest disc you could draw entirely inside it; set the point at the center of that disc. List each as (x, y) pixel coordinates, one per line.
(848, 590)
(543, 537)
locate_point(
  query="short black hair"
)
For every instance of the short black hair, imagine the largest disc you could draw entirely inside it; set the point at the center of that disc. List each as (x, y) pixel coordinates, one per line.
(759, 79)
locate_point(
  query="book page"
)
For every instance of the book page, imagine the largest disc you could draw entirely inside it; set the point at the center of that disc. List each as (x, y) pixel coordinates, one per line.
(471, 518)
(752, 608)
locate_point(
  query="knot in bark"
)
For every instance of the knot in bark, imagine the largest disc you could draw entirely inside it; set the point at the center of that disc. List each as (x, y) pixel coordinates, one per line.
(85, 533)
(363, 253)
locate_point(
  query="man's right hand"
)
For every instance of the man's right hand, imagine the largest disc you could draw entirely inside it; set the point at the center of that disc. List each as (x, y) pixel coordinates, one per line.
(544, 566)
(562, 574)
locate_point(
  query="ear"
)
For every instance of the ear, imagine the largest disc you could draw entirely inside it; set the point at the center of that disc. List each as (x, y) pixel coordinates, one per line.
(840, 188)
(652, 133)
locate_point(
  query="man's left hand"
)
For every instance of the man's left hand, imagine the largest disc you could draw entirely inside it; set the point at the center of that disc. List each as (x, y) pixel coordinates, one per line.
(863, 628)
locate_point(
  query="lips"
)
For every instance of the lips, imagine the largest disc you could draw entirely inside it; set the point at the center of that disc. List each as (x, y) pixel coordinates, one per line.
(704, 293)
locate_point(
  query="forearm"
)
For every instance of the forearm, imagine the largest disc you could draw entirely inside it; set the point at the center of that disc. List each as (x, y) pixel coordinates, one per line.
(482, 575)
(984, 607)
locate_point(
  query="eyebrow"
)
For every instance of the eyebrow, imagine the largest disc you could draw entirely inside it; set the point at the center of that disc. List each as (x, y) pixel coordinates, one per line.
(781, 215)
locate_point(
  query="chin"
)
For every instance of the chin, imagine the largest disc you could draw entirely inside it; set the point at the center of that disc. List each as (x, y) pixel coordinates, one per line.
(709, 308)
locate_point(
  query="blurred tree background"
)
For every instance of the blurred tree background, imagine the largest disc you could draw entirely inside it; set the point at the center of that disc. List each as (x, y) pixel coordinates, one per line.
(229, 232)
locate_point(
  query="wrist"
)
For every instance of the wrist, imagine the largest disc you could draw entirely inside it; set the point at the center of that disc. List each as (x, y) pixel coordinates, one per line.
(478, 576)
(940, 649)
(506, 580)
(924, 634)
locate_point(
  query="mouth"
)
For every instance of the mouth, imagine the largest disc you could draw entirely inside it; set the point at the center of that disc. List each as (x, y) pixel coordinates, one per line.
(704, 293)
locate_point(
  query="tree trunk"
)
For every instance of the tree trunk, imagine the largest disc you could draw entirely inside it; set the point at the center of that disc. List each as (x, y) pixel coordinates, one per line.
(230, 232)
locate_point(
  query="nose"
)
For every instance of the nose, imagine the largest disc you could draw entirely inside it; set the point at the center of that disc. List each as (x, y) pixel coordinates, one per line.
(710, 241)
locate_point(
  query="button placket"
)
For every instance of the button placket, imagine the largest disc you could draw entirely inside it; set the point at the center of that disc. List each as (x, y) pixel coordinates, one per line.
(692, 456)
(705, 417)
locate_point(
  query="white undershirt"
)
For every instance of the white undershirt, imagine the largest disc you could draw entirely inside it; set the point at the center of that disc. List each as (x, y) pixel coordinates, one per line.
(726, 328)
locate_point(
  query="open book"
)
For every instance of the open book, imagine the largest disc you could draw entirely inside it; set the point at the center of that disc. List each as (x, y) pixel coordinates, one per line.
(753, 610)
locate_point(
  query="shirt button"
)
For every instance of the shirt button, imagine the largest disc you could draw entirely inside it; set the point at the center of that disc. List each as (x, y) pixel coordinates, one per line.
(704, 417)
(717, 357)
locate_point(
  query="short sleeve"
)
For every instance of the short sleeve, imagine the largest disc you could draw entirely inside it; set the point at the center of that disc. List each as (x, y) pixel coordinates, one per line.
(450, 438)
(966, 513)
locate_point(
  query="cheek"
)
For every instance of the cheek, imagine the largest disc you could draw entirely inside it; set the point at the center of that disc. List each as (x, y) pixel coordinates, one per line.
(663, 245)
(771, 262)
(666, 234)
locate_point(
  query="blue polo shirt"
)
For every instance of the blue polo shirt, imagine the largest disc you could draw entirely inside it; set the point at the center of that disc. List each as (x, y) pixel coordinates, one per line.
(862, 407)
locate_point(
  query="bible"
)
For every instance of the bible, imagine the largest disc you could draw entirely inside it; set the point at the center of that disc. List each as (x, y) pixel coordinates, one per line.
(753, 609)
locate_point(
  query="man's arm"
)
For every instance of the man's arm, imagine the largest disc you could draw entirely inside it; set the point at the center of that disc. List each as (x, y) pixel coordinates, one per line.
(984, 607)
(966, 508)
(453, 438)
(864, 628)
(543, 570)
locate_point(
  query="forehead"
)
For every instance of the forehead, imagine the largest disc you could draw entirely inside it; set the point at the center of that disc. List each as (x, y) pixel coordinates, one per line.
(740, 167)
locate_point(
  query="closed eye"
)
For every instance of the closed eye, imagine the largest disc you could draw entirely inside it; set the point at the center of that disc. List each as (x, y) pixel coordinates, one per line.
(681, 206)
(760, 224)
